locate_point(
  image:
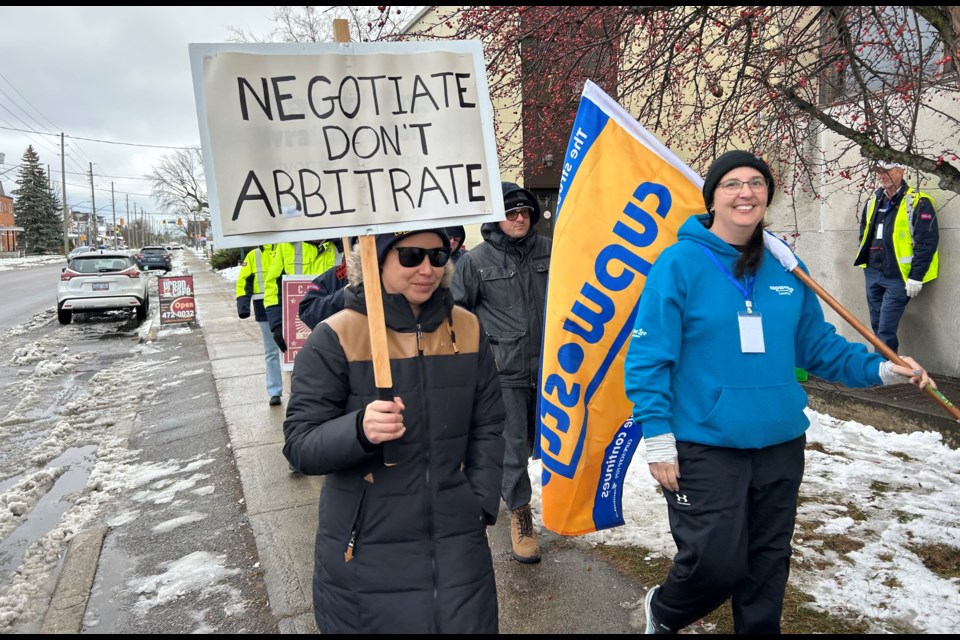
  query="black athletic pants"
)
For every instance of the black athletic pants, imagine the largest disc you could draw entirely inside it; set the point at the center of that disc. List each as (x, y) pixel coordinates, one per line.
(732, 521)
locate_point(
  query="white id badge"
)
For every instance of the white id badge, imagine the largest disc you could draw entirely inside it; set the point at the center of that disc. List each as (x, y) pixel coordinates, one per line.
(879, 231)
(751, 332)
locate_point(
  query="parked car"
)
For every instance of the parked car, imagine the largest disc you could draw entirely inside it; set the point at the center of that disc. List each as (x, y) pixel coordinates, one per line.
(154, 257)
(101, 281)
(78, 250)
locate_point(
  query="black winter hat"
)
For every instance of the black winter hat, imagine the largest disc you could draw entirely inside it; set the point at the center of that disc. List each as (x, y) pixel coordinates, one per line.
(516, 196)
(728, 162)
(457, 232)
(387, 240)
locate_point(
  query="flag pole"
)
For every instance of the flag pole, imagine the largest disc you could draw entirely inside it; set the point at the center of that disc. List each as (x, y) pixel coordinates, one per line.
(881, 346)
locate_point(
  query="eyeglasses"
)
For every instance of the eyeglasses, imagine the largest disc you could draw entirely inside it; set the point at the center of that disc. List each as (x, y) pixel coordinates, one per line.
(413, 256)
(525, 212)
(733, 187)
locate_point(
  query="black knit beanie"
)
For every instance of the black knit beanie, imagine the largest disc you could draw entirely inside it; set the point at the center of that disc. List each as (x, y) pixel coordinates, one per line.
(728, 162)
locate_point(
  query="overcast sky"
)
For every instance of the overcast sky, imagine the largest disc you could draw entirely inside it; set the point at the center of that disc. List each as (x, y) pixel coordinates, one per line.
(115, 74)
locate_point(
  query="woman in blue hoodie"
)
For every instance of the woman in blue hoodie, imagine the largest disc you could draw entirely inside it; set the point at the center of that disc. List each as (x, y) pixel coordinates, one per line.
(710, 370)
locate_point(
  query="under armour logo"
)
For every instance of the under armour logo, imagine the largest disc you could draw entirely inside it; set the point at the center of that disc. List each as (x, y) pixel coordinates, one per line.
(682, 500)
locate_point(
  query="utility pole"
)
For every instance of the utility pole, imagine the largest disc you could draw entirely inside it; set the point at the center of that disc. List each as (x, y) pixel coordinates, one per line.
(93, 215)
(66, 214)
(113, 204)
(129, 241)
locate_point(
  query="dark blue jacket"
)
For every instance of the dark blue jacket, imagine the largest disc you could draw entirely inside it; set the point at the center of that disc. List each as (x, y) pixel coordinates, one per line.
(324, 296)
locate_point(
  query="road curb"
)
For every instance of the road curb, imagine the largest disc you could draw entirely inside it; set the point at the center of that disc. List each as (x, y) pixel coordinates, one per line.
(69, 601)
(150, 335)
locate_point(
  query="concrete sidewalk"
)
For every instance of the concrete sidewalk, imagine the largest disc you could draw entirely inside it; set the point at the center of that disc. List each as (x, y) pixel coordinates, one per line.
(282, 508)
(571, 591)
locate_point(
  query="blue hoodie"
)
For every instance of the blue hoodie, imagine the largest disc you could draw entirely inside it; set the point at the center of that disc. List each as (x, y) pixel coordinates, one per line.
(685, 372)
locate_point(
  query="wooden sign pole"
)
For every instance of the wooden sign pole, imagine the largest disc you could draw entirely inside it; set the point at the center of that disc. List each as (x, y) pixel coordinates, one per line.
(341, 33)
(376, 323)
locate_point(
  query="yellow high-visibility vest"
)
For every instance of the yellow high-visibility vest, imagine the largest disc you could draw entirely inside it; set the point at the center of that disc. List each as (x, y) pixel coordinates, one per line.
(903, 233)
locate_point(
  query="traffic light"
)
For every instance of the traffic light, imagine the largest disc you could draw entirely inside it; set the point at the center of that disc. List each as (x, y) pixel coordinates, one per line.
(179, 222)
(121, 222)
(163, 221)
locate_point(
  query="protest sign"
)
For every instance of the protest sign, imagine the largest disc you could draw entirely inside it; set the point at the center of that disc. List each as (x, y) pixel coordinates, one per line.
(295, 330)
(310, 141)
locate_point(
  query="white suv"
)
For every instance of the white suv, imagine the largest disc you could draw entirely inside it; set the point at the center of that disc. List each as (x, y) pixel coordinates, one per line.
(78, 250)
(101, 281)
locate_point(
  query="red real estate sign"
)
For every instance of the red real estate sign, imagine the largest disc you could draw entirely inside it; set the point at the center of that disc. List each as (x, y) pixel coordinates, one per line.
(295, 332)
(177, 305)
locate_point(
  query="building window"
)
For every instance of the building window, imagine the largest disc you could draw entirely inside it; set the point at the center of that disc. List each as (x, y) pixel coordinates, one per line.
(880, 50)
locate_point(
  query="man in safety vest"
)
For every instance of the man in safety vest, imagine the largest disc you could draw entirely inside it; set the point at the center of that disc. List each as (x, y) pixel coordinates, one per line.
(250, 287)
(898, 249)
(294, 258)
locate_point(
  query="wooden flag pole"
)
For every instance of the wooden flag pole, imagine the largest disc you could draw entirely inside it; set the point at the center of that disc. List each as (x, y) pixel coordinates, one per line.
(881, 346)
(376, 323)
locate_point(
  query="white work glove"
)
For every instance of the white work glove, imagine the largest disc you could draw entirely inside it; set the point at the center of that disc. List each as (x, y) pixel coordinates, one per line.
(913, 288)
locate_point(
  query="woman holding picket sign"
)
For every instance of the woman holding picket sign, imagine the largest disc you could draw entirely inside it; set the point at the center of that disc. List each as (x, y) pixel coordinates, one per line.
(710, 370)
(401, 547)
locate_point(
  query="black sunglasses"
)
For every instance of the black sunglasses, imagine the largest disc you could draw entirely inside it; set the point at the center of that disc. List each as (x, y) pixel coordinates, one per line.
(525, 212)
(413, 256)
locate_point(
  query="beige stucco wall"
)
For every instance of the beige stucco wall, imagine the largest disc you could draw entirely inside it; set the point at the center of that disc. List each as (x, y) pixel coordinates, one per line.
(504, 117)
(828, 241)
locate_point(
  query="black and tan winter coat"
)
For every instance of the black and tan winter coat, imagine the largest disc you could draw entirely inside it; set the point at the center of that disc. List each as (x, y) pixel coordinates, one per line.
(401, 549)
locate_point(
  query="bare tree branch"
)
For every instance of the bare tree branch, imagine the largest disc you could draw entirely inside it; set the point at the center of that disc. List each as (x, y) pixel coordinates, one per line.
(178, 183)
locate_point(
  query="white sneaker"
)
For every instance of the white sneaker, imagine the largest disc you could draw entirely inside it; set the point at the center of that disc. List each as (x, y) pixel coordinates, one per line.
(651, 625)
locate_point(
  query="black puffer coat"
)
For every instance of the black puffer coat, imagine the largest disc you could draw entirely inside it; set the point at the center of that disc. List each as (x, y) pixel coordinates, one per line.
(401, 549)
(504, 281)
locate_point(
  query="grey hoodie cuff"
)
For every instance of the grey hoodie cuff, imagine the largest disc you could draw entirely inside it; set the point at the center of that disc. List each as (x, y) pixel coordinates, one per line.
(888, 376)
(661, 448)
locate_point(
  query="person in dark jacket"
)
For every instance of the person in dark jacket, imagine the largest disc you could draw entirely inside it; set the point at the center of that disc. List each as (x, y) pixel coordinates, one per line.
(401, 548)
(324, 296)
(504, 281)
(458, 236)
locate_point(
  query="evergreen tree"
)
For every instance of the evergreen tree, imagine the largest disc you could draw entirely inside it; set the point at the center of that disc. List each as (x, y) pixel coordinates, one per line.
(36, 208)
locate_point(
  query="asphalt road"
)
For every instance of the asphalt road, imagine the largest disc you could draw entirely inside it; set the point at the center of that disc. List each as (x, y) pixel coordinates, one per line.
(104, 432)
(27, 291)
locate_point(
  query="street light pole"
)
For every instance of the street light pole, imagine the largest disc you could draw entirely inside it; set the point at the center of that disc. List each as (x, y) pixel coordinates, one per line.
(92, 223)
(113, 203)
(66, 214)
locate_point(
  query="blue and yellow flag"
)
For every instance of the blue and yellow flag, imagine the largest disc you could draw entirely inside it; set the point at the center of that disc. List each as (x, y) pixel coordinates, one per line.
(623, 196)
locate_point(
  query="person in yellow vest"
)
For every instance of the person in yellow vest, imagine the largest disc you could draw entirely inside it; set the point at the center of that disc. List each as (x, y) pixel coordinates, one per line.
(312, 257)
(898, 249)
(250, 287)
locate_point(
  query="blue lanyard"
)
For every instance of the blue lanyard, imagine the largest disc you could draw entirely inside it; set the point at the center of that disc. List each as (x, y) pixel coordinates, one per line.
(746, 292)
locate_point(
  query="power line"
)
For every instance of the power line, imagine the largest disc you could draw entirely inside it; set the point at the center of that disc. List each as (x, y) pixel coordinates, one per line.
(40, 143)
(29, 103)
(128, 144)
